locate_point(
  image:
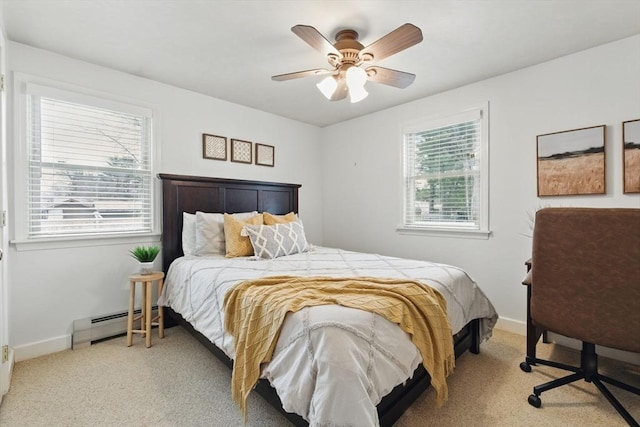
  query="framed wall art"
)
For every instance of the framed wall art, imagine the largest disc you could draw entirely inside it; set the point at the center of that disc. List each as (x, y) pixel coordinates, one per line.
(631, 156)
(241, 151)
(571, 162)
(214, 147)
(265, 155)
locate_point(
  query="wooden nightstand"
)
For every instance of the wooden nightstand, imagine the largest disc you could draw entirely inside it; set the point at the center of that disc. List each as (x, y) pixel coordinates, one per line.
(146, 320)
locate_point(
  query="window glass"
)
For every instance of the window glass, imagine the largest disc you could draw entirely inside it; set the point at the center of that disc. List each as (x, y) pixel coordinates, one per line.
(444, 174)
(90, 169)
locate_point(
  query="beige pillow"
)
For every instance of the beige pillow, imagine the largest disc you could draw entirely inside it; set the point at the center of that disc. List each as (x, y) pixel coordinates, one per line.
(209, 232)
(235, 244)
(270, 219)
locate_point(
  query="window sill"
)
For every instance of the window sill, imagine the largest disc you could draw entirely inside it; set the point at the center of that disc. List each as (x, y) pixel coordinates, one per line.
(83, 241)
(445, 232)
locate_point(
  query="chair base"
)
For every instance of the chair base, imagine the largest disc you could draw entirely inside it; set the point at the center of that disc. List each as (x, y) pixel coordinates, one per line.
(588, 371)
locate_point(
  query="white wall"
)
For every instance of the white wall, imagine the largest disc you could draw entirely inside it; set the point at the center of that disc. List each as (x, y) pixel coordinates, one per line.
(51, 288)
(362, 175)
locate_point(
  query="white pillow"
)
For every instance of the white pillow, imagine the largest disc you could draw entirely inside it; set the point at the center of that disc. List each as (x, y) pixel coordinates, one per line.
(273, 241)
(188, 233)
(210, 232)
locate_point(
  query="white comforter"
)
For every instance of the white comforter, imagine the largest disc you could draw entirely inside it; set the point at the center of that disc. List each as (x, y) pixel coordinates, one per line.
(332, 364)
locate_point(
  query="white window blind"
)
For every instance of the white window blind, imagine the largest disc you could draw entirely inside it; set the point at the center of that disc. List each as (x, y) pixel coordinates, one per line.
(443, 173)
(90, 168)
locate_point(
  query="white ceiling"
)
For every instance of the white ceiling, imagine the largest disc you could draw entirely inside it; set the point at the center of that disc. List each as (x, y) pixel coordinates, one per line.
(230, 49)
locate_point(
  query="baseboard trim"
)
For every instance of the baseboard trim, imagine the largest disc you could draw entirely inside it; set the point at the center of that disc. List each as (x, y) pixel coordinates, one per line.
(41, 348)
(6, 370)
(511, 325)
(54, 345)
(520, 328)
(61, 343)
(611, 353)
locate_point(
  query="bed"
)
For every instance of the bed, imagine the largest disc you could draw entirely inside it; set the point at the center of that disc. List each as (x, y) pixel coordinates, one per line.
(190, 301)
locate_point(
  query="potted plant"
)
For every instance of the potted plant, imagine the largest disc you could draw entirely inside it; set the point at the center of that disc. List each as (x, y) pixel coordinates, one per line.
(145, 255)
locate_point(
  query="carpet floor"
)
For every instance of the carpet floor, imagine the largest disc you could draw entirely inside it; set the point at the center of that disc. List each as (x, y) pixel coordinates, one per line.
(177, 382)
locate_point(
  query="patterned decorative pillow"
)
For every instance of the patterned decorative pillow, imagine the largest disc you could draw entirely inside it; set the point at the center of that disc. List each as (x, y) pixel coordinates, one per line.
(273, 241)
(209, 232)
(235, 244)
(270, 219)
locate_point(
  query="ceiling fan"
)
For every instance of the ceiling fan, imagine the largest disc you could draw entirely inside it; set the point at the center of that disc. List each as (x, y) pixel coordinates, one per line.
(347, 56)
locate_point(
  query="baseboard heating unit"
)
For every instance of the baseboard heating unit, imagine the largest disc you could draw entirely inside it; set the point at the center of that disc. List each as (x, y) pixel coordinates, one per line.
(95, 329)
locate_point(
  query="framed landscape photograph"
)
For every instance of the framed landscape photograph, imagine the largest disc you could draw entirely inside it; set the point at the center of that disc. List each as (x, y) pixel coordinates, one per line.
(631, 155)
(265, 155)
(241, 151)
(571, 162)
(214, 147)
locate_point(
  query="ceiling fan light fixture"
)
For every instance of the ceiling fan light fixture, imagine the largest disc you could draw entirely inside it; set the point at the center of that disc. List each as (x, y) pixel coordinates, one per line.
(357, 94)
(328, 86)
(356, 77)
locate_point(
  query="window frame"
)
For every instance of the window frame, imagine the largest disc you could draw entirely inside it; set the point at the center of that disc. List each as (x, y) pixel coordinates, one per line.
(441, 229)
(23, 86)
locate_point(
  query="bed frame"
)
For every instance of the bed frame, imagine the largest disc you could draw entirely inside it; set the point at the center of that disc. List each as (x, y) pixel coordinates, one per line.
(191, 193)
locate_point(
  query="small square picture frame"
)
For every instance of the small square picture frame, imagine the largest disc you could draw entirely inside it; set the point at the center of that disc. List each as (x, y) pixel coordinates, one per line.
(241, 151)
(265, 155)
(214, 147)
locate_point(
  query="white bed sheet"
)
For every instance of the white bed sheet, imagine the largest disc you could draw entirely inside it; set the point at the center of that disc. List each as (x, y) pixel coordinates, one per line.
(332, 364)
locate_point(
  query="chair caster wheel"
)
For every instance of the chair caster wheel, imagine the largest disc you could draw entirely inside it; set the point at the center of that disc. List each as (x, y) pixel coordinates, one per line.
(525, 367)
(534, 400)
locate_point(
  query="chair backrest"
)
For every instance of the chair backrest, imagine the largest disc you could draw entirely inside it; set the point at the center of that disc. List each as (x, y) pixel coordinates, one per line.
(586, 275)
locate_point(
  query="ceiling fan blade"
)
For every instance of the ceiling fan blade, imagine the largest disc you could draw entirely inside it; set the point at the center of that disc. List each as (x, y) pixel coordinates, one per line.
(315, 39)
(399, 39)
(341, 91)
(390, 77)
(299, 74)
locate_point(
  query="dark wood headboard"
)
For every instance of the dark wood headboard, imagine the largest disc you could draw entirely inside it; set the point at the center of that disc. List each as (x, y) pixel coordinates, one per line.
(189, 194)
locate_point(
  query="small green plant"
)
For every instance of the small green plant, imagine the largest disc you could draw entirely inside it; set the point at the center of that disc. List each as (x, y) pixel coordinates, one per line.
(145, 253)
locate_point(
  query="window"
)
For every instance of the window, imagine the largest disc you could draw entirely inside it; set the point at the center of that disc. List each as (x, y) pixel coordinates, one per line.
(90, 166)
(445, 174)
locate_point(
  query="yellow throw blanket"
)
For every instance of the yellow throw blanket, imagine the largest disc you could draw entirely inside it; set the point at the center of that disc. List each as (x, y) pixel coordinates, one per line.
(255, 310)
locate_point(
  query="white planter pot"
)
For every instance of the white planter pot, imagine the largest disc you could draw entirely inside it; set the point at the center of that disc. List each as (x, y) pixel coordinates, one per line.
(146, 267)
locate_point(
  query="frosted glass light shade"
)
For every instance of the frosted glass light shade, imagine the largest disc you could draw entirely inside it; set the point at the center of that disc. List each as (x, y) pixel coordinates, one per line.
(357, 94)
(328, 86)
(356, 77)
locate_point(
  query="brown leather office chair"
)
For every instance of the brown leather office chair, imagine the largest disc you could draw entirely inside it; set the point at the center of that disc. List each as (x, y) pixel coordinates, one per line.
(585, 284)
